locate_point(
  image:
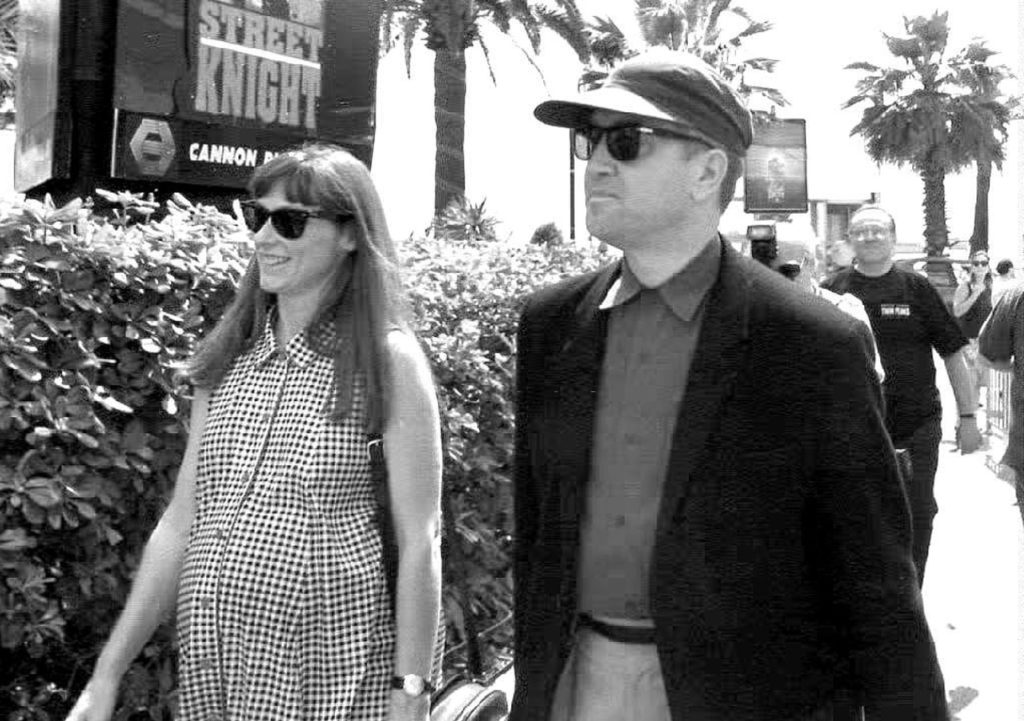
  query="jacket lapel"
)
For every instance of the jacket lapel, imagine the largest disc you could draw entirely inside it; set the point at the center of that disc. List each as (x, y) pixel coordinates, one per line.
(574, 375)
(717, 360)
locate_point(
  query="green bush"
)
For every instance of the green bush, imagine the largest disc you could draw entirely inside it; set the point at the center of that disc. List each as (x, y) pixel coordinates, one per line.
(547, 234)
(95, 316)
(466, 298)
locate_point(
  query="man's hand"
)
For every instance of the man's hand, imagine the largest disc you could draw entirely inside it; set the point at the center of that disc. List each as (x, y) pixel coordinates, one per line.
(404, 708)
(968, 437)
(96, 702)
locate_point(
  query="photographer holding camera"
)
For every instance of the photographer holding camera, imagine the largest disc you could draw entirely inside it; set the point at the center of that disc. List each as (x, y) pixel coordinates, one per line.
(794, 259)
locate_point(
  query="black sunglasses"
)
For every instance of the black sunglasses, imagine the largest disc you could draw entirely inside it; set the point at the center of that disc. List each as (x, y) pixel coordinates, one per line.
(979, 263)
(289, 223)
(623, 141)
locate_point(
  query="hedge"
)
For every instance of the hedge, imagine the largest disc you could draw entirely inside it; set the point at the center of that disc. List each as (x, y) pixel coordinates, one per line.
(96, 314)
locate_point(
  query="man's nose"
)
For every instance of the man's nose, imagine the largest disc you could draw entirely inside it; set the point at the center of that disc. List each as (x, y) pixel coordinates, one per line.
(601, 159)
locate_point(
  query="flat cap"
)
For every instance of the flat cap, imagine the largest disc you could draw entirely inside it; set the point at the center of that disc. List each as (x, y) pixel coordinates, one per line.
(677, 89)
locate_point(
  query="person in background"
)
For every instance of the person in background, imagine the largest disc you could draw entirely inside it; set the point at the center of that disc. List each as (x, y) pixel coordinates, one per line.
(1004, 279)
(271, 544)
(910, 320)
(1001, 343)
(710, 522)
(795, 259)
(972, 302)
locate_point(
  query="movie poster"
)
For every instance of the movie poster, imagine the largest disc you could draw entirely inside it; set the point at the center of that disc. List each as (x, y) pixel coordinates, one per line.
(775, 177)
(206, 90)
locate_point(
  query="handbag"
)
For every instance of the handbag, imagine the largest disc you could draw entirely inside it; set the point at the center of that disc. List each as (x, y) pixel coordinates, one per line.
(466, 696)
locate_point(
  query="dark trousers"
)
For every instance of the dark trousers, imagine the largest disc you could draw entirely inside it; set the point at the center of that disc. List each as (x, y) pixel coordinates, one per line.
(923, 447)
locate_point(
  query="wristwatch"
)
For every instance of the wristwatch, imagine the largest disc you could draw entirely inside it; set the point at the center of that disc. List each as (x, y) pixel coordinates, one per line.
(412, 685)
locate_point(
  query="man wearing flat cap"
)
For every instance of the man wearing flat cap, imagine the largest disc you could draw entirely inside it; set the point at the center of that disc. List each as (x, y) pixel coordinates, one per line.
(710, 523)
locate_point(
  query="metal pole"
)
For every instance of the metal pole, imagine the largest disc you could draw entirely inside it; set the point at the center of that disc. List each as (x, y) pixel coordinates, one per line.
(572, 191)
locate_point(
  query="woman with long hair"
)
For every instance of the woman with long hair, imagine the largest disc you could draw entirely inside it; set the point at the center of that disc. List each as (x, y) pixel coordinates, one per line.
(972, 303)
(271, 544)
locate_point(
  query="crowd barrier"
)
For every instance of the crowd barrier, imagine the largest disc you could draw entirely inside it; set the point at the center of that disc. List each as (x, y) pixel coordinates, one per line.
(997, 401)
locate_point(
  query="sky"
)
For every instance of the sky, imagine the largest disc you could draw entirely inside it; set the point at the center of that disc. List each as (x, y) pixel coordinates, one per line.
(521, 167)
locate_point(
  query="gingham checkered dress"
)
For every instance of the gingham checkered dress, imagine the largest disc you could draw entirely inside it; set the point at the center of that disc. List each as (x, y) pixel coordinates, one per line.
(282, 605)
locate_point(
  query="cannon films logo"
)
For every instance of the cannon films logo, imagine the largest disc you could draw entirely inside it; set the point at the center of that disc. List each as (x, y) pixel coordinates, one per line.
(152, 146)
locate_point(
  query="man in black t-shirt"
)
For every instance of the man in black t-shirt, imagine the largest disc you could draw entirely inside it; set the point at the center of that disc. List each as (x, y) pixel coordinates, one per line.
(909, 320)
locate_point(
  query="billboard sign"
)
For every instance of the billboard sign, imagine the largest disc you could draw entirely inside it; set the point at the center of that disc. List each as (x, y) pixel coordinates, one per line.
(775, 177)
(206, 90)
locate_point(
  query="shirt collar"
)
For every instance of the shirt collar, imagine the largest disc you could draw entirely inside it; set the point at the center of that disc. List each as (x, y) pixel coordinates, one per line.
(682, 293)
(298, 350)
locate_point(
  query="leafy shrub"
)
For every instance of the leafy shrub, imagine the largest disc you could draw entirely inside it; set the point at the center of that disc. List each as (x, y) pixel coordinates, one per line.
(547, 234)
(95, 315)
(466, 297)
(465, 221)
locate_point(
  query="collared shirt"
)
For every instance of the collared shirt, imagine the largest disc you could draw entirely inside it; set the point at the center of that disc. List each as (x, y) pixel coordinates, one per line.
(652, 335)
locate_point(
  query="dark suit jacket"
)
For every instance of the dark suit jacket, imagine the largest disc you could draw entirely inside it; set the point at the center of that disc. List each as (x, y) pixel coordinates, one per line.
(782, 566)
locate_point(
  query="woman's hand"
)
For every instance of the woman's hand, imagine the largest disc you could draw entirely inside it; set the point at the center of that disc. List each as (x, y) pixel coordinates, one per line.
(407, 708)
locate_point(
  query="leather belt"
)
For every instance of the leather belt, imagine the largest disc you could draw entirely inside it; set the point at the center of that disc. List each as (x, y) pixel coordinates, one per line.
(619, 634)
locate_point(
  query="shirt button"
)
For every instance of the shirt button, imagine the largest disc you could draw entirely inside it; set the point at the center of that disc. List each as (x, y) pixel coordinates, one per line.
(632, 439)
(206, 664)
(206, 602)
(645, 357)
(620, 521)
(266, 417)
(219, 534)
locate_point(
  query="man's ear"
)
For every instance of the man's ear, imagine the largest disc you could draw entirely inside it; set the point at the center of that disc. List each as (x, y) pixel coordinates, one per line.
(710, 168)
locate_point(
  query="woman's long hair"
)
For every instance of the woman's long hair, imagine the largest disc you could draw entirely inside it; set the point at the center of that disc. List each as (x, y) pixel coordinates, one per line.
(365, 302)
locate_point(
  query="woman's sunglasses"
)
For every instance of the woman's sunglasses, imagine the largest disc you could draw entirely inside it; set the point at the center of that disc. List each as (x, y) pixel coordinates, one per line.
(289, 223)
(979, 263)
(623, 141)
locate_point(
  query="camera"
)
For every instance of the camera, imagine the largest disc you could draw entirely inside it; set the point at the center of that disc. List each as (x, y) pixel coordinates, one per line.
(764, 246)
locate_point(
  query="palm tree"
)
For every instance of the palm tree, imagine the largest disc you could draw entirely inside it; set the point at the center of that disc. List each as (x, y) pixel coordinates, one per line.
(922, 114)
(981, 127)
(695, 26)
(450, 28)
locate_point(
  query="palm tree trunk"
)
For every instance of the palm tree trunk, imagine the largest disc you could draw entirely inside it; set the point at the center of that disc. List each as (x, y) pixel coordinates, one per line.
(979, 236)
(935, 232)
(450, 121)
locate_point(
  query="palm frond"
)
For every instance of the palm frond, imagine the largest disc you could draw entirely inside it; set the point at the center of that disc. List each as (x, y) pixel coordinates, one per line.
(716, 11)
(410, 32)
(765, 64)
(772, 94)
(591, 78)
(531, 59)
(487, 60)
(522, 12)
(497, 12)
(869, 67)
(570, 29)
(754, 28)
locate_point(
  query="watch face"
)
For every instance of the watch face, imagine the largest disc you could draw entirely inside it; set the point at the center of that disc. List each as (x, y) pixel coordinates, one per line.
(413, 685)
